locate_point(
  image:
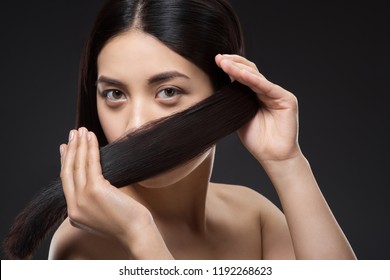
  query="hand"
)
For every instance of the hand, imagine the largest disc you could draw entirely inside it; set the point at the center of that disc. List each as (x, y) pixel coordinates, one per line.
(93, 203)
(272, 135)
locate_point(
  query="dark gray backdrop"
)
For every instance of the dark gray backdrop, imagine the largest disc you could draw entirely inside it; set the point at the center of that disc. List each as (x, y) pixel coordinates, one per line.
(334, 57)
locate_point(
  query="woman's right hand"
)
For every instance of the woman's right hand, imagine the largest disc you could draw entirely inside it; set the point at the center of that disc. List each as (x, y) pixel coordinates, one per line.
(93, 203)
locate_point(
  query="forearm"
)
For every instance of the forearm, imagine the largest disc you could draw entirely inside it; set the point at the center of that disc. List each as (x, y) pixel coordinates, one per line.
(314, 231)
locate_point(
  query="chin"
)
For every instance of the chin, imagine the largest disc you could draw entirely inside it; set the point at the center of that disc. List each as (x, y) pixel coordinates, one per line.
(177, 174)
(171, 177)
(157, 182)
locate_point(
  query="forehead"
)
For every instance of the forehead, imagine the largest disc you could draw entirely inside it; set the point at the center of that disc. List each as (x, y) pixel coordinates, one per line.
(136, 54)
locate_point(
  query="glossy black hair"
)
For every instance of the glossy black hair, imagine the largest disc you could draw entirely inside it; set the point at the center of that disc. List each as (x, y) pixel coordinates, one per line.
(197, 30)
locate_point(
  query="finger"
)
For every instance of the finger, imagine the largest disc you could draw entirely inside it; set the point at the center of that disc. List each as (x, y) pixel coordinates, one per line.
(263, 86)
(63, 148)
(234, 69)
(239, 59)
(237, 70)
(94, 170)
(256, 82)
(248, 68)
(80, 162)
(67, 166)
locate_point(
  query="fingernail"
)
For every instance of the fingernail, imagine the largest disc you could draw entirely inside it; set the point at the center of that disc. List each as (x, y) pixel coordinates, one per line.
(61, 150)
(71, 134)
(81, 130)
(89, 136)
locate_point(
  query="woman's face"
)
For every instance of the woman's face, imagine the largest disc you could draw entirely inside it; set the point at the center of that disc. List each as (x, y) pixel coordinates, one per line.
(141, 80)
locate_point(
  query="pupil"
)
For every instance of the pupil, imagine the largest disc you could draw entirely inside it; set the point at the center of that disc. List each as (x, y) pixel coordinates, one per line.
(170, 92)
(116, 94)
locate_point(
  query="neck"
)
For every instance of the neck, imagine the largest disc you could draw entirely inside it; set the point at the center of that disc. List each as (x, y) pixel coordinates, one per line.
(182, 203)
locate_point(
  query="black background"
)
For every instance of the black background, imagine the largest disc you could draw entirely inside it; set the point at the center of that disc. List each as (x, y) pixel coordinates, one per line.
(333, 57)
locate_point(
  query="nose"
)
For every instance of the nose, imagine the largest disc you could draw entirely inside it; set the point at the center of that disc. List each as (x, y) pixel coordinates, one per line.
(139, 114)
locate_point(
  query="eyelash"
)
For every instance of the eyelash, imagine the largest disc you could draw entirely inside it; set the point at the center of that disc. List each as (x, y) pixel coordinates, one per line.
(176, 90)
(105, 94)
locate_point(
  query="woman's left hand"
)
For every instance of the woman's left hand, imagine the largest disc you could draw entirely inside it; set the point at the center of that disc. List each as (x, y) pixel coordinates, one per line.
(272, 135)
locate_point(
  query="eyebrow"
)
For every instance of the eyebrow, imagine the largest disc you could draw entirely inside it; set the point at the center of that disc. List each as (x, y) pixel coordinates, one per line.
(109, 81)
(166, 76)
(158, 78)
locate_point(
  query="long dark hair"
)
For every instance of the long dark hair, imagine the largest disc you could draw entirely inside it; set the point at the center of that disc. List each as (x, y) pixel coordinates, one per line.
(197, 30)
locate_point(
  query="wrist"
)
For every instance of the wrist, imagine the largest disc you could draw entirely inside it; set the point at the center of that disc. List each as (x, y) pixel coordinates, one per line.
(277, 155)
(288, 172)
(285, 164)
(146, 243)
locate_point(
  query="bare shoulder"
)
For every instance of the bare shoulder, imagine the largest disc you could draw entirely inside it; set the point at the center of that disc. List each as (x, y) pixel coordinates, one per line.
(69, 242)
(72, 243)
(244, 198)
(254, 212)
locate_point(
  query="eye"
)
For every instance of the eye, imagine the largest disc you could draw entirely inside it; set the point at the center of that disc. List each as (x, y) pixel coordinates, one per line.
(168, 93)
(114, 95)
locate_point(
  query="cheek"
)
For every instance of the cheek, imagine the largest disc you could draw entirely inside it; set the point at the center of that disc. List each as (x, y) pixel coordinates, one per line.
(112, 124)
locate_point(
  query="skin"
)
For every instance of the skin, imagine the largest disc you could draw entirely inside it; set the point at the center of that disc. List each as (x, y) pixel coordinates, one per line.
(181, 214)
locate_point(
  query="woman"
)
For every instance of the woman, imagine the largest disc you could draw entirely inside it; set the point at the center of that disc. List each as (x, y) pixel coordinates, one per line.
(147, 60)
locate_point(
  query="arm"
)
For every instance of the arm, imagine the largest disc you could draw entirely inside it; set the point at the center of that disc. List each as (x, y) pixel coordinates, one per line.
(272, 138)
(94, 205)
(314, 231)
